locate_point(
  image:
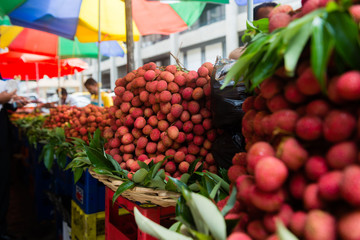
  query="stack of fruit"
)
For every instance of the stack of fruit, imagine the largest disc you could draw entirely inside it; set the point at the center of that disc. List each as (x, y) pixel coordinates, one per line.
(160, 113)
(78, 122)
(302, 166)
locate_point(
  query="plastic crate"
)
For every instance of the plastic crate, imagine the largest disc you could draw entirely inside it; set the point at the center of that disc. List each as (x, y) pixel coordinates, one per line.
(86, 226)
(42, 184)
(89, 194)
(63, 180)
(120, 221)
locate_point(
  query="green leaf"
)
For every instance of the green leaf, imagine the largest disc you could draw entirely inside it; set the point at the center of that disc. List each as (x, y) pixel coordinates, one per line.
(346, 4)
(215, 190)
(123, 187)
(115, 164)
(217, 178)
(185, 178)
(160, 173)
(156, 230)
(42, 154)
(230, 203)
(196, 187)
(254, 28)
(199, 188)
(295, 48)
(199, 222)
(77, 141)
(60, 133)
(140, 175)
(332, 6)
(199, 236)
(209, 184)
(175, 227)
(321, 48)
(102, 171)
(123, 174)
(345, 33)
(85, 160)
(266, 67)
(48, 157)
(96, 142)
(77, 174)
(171, 186)
(61, 159)
(209, 214)
(157, 182)
(192, 166)
(283, 233)
(155, 169)
(180, 185)
(183, 213)
(224, 174)
(262, 25)
(143, 165)
(98, 159)
(251, 54)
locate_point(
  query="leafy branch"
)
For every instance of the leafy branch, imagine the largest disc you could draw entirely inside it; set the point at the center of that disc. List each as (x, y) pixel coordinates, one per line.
(327, 31)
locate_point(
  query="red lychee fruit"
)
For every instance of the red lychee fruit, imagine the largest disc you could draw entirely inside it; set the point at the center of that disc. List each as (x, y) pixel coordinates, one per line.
(348, 85)
(279, 20)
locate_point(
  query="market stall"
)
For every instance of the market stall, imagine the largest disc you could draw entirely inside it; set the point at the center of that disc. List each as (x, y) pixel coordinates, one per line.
(152, 166)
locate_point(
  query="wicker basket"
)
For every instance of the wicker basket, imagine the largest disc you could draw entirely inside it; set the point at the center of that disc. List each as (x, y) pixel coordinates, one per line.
(140, 194)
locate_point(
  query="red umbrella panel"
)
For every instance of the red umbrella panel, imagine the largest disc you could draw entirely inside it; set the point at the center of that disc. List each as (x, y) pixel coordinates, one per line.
(35, 67)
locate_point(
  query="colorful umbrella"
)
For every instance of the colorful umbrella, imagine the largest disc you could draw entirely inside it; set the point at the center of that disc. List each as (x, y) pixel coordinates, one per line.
(29, 40)
(34, 67)
(206, 1)
(8, 6)
(79, 18)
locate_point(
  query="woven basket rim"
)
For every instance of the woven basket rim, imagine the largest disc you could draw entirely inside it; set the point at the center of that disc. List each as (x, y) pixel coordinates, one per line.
(158, 197)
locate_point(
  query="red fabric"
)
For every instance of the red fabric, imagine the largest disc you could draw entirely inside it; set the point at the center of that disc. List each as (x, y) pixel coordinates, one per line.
(30, 40)
(32, 66)
(144, 12)
(33, 71)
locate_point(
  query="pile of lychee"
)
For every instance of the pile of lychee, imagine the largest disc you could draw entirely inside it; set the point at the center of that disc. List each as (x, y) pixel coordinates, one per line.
(162, 112)
(282, 15)
(78, 122)
(302, 164)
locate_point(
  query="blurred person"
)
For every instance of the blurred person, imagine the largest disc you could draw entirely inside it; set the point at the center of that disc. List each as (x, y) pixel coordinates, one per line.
(9, 101)
(71, 100)
(263, 10)
(260, 11)
(93, 87)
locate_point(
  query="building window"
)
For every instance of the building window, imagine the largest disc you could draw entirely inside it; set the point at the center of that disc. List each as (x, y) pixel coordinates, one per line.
(151, 39)
(162, 62)
(104, 58)
(121, 71)
(105, 79)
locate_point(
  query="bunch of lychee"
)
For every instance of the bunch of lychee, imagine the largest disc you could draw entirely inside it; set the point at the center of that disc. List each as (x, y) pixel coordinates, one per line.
(282, 15)
(78, 122)
(160, 113)
(302, 164)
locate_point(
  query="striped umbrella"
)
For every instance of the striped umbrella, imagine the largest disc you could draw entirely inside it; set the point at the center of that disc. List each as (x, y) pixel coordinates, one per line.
(33, 41)
(79, 18)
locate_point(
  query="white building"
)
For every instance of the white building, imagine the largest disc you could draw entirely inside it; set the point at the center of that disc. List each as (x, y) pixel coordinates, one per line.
(217, 32)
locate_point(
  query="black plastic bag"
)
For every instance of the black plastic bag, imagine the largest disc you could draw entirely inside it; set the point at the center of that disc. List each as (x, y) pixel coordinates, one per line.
(226, 104)
(226, 146)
